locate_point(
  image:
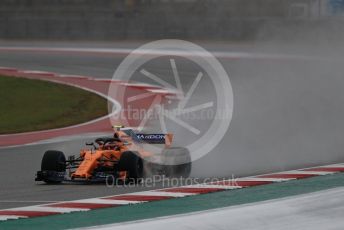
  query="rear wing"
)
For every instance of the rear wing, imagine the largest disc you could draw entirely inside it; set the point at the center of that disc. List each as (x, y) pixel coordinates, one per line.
(156, 138)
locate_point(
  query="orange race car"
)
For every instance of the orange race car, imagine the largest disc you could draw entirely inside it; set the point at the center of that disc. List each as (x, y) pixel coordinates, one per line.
(120, 157)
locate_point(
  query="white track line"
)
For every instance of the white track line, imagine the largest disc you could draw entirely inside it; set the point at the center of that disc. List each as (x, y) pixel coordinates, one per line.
(307, 172)
(38, 72)
(330, 166)
(213, 186)
(10, 217)
(29, 201)
(162, 193)
(263, 179)
(74, 76)
(105, 201)
(164, 91)
(143, 85)
(10, 69)
(106, 80)
(42, 208)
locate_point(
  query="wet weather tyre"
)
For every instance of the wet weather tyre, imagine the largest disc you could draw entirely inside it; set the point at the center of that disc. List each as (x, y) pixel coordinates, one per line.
(133, 164)
(177, 162)
(53, 161)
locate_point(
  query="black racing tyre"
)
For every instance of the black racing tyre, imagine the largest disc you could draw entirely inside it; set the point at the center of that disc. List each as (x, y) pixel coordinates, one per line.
(177, 162)
(53, 161)
(133, 164)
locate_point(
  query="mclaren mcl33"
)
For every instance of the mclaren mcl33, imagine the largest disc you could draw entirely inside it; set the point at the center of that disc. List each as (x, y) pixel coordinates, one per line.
(122, 157)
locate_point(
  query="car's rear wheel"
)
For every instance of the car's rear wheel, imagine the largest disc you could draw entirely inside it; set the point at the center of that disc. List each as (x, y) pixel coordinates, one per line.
(54, 161)
(133, 164)
(177, 162)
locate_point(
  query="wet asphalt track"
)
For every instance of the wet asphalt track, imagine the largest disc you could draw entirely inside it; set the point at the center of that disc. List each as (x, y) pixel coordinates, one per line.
(287, 114)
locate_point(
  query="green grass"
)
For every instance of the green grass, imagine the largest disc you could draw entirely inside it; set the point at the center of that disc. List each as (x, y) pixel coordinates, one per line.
(30, 105)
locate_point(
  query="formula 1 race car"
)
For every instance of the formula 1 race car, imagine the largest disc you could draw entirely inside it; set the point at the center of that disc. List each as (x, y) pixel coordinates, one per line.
(119, 157)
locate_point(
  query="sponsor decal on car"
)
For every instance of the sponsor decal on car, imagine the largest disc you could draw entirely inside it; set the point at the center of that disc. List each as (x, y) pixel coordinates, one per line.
(152, 138)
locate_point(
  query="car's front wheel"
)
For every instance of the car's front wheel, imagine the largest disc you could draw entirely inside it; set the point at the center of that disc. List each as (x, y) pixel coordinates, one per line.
(53, 162)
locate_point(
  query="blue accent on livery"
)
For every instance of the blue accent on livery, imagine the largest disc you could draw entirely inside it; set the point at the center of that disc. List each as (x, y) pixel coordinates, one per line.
(151, 138)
